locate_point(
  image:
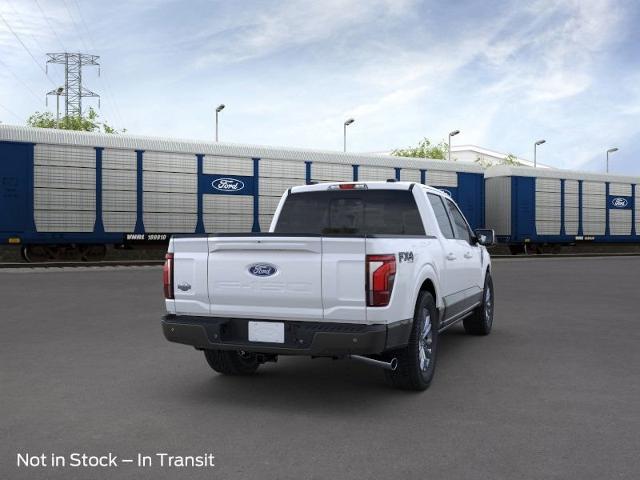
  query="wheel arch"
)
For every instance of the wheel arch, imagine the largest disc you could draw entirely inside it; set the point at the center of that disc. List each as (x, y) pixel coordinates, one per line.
(428, 282)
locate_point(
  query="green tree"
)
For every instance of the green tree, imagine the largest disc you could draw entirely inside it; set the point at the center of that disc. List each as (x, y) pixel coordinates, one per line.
(87, 123)
(510, 159)
(424, 149)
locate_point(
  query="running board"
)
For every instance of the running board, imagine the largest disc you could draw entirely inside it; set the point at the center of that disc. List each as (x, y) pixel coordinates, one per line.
(458, 317)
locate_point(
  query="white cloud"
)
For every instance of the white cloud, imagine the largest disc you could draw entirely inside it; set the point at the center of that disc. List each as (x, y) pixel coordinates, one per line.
(290, 23)
(292, 71)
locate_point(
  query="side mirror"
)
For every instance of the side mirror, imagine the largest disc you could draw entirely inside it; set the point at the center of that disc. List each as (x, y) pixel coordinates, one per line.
(485, 236)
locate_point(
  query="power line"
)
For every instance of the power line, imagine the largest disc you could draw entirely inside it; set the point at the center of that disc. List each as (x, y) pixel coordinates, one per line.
(110, 96)
(26, 29)
(46, 18)
(35, 95)
(27, 49)
(11, 112)
(75, 26)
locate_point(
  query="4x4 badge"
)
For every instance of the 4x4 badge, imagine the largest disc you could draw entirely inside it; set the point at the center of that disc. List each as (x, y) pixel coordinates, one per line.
(405, 257)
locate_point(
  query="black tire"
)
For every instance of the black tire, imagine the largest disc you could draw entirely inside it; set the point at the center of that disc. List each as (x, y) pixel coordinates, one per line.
(415, 372)
(231, 362)
(481, 320)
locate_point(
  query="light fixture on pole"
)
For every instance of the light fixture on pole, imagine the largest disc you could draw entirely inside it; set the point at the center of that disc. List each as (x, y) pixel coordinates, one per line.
(218, 110)
(57, 92)
(611, 150)
(346, 123)
(451, 134)
(535, 147)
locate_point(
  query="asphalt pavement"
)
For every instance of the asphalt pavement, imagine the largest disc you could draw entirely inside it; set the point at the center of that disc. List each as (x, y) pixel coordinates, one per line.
(553, 392)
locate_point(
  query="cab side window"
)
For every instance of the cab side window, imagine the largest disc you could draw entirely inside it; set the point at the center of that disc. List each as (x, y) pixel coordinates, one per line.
(460, 228)
(441, 215)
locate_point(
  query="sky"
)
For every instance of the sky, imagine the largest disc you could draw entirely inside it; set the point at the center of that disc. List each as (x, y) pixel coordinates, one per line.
(505, 73)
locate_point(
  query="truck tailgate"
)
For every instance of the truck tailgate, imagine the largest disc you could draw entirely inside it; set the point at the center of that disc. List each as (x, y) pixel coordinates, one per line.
(266, 277)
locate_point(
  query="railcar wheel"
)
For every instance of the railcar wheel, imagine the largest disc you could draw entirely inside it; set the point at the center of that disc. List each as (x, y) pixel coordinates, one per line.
(93, 253)
(37, 253)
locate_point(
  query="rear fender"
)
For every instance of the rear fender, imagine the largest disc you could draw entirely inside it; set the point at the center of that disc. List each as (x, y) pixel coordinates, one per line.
(428, 272)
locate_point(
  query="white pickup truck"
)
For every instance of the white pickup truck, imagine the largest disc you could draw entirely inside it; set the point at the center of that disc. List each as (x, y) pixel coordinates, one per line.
(371, 271)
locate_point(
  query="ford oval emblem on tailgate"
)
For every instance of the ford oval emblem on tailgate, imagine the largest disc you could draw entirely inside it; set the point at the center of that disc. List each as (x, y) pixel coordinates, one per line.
(262, 269)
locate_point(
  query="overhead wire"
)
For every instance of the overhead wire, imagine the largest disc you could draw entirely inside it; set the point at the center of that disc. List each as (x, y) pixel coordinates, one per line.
(31, 91)
(26, 49)
(105, 82)
(26, 29)
(11, 112)
(46, 18)
(73, 21)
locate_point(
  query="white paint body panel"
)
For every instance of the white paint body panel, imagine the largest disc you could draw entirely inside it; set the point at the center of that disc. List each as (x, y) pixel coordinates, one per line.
(320, 278)
(294, 292)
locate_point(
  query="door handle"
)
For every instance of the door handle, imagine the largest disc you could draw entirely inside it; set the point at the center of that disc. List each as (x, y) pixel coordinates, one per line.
(468, 255)
(451, 256)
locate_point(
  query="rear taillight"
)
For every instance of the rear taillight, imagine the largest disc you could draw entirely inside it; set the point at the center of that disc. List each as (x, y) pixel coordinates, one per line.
(381, 273)
(167, 276)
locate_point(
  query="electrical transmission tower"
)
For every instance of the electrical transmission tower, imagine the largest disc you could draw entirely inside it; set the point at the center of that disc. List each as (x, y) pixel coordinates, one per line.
(73, 90)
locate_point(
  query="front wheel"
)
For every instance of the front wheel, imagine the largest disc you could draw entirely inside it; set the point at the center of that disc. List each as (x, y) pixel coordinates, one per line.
(417, 361)
(232, 363)
(481, 320)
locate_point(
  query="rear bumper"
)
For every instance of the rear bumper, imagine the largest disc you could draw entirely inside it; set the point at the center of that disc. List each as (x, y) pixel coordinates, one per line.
(301, 338)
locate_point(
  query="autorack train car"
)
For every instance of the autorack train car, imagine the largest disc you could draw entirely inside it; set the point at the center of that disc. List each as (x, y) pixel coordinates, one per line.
(72, 192)
(538, 209)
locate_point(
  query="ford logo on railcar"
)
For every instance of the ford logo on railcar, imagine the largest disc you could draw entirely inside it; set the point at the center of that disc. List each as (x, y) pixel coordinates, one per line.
(228, 184)
(619, 202)
(262, 269)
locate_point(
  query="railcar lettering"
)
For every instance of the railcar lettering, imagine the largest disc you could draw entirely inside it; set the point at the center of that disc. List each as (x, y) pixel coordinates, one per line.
(146, 237)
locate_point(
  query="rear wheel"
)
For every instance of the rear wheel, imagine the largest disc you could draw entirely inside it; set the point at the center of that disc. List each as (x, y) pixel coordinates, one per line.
(231, 362)
(481, 320)
(417, 361)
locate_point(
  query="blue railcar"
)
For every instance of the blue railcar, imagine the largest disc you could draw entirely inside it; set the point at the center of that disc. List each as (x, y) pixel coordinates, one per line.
(551, 207)
(79, 191)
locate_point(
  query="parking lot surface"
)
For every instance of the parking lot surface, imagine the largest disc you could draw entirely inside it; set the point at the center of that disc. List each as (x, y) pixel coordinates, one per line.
(553, 392)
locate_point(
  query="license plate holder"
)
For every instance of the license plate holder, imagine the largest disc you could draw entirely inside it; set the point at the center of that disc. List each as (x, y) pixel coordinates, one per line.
(266, 332)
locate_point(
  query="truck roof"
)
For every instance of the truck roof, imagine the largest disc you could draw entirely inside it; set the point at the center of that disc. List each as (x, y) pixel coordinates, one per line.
(373, 185)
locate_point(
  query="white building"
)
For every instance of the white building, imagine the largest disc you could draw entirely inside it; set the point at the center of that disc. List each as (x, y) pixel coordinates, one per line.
(471, 153)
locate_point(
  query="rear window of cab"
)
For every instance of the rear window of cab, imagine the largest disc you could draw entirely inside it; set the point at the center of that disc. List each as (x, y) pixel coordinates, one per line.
(350, 212)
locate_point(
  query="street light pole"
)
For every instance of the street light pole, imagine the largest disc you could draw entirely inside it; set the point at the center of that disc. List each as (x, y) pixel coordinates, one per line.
(611, 150)
(218, 110)
(535, 146)
(346, 123)
(452, 134)
(58, 93)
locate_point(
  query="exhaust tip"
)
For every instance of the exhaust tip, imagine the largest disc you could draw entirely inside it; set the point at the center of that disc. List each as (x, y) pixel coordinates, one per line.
(393, 364)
